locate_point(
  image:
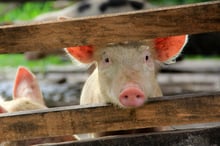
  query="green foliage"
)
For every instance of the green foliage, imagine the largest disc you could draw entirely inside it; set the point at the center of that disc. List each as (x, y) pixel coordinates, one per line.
(14, 60)
(27, 11)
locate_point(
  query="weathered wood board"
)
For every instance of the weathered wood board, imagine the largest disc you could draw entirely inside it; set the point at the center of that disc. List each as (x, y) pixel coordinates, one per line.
(100, 30)
(161, 111)
(202, 137)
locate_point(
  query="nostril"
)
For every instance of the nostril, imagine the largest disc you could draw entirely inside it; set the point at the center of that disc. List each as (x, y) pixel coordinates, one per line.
(132, 97)
(138, 96)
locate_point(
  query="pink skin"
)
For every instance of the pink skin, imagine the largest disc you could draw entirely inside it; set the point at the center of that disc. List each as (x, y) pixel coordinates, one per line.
(132, 96)
(2, 110)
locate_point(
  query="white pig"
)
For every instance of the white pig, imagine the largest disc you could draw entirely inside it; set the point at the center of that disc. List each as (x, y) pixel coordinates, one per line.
(95, 7)
(125, 72)
(26, 93)
(27, 96)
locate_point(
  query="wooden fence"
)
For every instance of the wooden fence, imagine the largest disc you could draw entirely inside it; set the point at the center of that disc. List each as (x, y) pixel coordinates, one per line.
(146, 24)
(157, 112)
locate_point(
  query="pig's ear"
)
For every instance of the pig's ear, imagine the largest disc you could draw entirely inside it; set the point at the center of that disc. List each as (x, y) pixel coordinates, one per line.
(26, 86)
(83, 54)
(169, 48)
(2, 110)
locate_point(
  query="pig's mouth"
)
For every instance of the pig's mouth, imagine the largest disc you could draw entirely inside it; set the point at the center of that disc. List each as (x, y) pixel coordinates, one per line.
(132, 96)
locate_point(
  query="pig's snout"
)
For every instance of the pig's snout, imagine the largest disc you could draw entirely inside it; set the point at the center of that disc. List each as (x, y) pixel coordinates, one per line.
(132, 97)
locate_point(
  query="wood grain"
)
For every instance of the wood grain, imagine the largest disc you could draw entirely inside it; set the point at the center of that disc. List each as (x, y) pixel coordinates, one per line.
(157, 112)
(98, 31)
(201, 137)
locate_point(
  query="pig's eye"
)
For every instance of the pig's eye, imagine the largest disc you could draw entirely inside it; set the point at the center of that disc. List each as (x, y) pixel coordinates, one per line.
(146, 57)
(106, 60)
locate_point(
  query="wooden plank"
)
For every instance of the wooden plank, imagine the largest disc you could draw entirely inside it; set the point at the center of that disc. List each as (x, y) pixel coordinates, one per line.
(201, 137)
(146, 24)
(161, 111)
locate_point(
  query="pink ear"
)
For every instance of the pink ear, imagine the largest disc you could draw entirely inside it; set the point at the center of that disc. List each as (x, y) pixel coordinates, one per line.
(26, 86)
(169, 48)
(83, 54)
(2, 110)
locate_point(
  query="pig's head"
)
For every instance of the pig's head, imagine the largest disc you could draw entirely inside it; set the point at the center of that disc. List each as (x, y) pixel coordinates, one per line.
(126, 71)
(26, 93)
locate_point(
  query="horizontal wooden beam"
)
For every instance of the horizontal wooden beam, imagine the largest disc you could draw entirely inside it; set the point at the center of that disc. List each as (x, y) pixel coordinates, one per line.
(100, 30)
(199, 137)
(157, 112)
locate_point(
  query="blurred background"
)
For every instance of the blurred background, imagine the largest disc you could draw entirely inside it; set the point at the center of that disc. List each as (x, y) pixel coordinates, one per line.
(61, 80)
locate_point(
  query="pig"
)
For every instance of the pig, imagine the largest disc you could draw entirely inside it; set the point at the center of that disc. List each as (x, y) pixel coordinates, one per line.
(125, 73)
(27, 96)
(95, 7)
(26, 93)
